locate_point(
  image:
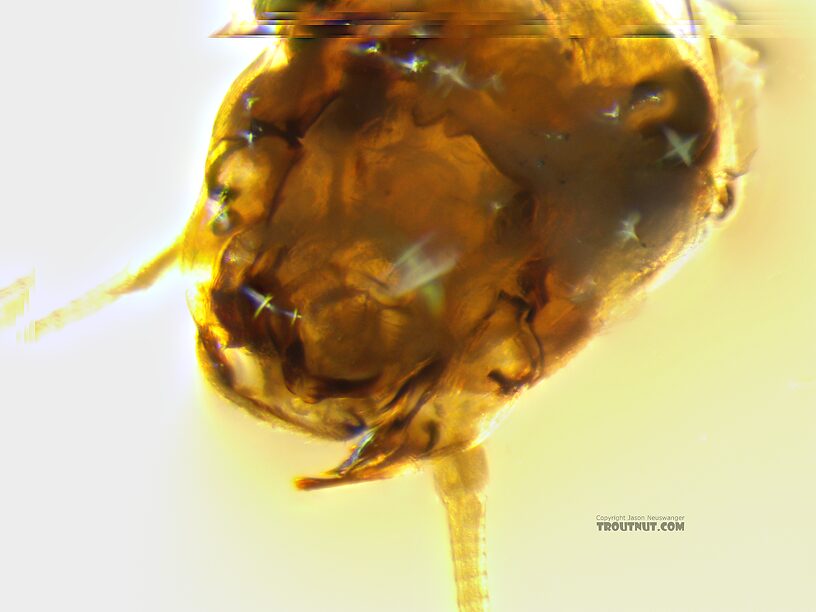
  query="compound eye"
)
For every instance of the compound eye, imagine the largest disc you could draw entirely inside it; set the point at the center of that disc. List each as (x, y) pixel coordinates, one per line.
(676, 100)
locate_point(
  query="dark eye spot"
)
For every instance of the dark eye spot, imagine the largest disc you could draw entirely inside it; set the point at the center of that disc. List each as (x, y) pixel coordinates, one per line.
(676, 99)
(646, 92)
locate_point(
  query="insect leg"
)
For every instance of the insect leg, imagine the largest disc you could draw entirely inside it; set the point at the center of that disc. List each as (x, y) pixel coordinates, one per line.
(105, 294)
(460, 479)
(14, 299)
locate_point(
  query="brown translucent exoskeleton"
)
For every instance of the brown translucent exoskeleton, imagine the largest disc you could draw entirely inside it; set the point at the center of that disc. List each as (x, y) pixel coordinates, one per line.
(406, 222)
